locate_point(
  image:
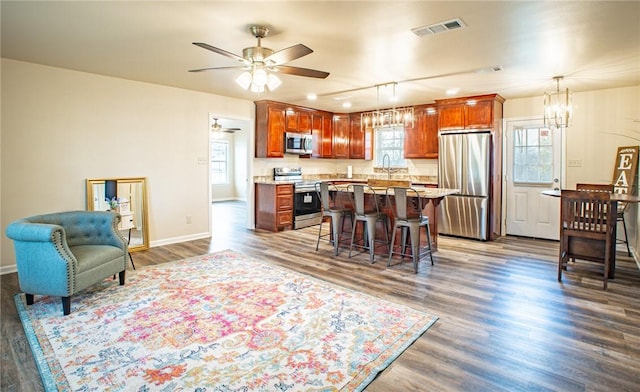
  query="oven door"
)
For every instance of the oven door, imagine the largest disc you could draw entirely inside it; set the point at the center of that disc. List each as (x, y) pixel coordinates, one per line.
(307, 209)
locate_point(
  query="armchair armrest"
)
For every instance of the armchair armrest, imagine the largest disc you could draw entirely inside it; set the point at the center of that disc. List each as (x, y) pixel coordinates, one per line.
(46, 260)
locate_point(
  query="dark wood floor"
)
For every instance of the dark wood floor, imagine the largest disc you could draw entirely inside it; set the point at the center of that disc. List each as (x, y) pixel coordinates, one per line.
(506, 323)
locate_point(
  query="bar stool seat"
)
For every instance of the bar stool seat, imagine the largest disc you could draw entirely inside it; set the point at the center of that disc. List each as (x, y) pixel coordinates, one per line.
(408, 221)
(336, 215)
(369, 218)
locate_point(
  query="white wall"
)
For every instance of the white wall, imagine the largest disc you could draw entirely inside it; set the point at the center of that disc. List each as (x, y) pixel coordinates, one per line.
(603, 120)
(60, 127)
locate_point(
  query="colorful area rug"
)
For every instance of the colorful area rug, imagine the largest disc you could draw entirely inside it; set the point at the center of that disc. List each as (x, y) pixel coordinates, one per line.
(219, 322)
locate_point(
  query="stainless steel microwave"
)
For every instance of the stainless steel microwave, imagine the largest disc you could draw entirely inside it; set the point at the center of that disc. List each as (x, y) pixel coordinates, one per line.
(297, 143)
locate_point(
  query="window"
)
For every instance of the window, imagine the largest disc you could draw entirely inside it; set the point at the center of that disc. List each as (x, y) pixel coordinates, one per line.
(532, 155)
(389, 141)
(219, 162)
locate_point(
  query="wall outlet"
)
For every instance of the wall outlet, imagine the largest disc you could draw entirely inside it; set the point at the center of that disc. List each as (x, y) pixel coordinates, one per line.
(575, 162)
(188, 219)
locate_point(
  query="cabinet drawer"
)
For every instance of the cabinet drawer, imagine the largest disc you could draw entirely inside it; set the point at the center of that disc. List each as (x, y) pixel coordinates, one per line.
(284, 203)
(285, 218)
(284, 190)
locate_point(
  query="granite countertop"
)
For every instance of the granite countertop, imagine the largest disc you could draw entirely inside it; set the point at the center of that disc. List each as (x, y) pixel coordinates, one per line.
(415, 180)
(426, 192)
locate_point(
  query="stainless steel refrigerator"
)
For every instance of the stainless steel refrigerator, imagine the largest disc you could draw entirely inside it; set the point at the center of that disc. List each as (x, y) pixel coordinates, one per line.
(464, 164)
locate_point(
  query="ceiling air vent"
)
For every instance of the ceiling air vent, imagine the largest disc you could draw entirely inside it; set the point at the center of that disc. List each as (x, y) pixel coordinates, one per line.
(441, 27)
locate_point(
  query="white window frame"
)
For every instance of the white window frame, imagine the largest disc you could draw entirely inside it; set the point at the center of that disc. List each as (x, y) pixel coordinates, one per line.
(389, 140)
(220, 165)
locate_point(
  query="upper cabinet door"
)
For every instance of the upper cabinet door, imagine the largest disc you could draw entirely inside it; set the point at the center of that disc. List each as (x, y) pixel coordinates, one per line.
(291, 120)
(341, 136)
(270, 128)
(421, 140)
(356, 137)
(479, 114)
(298, 120)
(451, 116)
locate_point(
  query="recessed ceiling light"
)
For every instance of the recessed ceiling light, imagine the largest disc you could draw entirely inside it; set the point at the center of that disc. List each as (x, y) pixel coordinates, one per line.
(453, 91)
(312, 97)
(346, 104)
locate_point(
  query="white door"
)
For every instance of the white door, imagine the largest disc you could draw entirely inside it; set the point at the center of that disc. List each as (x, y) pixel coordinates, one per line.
(533, 164)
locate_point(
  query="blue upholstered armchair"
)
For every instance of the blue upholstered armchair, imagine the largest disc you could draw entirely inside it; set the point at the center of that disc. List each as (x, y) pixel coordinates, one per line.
(63, 253)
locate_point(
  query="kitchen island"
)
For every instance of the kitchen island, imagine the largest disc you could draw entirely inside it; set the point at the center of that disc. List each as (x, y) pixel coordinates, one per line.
(430, 199)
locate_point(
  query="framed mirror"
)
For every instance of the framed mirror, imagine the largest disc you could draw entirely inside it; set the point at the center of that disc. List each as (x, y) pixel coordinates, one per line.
(128, 196)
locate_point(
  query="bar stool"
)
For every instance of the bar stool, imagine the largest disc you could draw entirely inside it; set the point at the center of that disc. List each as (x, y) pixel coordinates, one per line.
(334, 213)
(410, 221)
(369, 218)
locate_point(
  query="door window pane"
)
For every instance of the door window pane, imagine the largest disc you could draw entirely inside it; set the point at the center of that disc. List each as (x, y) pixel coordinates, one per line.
(533, 155)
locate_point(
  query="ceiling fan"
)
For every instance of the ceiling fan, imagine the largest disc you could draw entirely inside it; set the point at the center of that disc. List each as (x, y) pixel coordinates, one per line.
(215, 127)
(259, 57)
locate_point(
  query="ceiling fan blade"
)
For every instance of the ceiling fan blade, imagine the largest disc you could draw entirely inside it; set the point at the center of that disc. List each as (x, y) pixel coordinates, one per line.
(210, 68)
(288, 54)
(230, 130)
(311, 73)
(222, 52)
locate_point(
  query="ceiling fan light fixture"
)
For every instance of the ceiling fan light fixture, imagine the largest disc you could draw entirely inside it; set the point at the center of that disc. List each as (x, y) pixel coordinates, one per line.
(259, 77)
(273, 82)
(244, 80)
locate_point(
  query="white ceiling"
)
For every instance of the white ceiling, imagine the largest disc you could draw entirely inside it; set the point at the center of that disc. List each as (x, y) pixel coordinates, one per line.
(595, 45)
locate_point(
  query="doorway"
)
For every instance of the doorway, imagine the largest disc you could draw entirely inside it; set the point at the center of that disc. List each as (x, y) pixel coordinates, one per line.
(533, 164)
(229, 172)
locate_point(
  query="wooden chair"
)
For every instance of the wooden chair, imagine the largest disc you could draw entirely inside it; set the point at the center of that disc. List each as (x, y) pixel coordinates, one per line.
(622, 207)
(586, 229)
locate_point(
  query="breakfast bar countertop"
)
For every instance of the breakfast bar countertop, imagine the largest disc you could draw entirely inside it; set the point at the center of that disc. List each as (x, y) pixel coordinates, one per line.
(271, 180)
(423, 191)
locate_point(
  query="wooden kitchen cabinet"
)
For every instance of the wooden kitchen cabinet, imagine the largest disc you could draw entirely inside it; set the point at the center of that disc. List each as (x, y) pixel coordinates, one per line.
(341, 131)
(297, 120)
(451, 116)
(421, 140)
(321, 129)
(477, 112)
(274, 206)
(270, 128)
(360, 140)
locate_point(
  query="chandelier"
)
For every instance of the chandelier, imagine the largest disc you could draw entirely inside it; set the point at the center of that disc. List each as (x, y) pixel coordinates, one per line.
(387, 117)
(558, 107)
(257, 79)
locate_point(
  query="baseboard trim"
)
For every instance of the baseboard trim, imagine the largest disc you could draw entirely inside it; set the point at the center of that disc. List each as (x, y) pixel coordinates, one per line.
(175, 240)
(8, 269)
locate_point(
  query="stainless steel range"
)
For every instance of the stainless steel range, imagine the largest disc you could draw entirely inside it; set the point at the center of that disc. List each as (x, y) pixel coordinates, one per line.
(307, 208)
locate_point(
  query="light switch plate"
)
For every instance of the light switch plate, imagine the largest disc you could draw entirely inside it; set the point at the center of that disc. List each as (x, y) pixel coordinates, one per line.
(575, 162)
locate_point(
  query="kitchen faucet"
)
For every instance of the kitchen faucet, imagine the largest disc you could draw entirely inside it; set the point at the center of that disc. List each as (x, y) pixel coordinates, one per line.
(388, 158)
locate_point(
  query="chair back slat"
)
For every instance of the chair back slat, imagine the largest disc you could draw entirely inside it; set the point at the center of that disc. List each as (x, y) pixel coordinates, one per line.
(406, 202)
(595, 187)
(357, 192)
(323, 191)
(587, 211)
